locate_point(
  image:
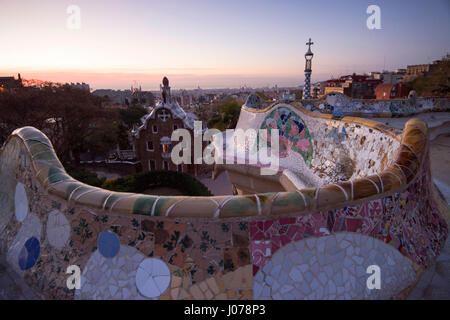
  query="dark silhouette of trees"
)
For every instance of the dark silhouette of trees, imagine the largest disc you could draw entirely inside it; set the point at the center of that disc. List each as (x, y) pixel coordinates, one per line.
(227, 117)
(132, 115)
(73, 119)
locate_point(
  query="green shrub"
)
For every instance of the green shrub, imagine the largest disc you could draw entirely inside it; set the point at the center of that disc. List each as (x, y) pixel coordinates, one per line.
(142, 181)
(84, 175)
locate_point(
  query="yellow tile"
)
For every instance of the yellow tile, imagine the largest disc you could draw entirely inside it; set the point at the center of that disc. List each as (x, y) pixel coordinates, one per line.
(239, 279)
(174, 293)
(231, 294)
(203, 286)
(186, 282)
(220, 282)
(196, 292)
(222, 296)
(165, 297)
(183, 294)
(213, 285)
(176, 282)
(209, 295)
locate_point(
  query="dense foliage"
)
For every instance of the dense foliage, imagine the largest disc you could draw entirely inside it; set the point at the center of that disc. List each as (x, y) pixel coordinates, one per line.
(140, 182)
(84, 175)
(227, 116)
(434, 83)
(75, 120)
(132, 115)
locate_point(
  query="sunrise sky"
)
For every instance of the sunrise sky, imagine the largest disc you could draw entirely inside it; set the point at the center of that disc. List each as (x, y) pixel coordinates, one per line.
(215, 43)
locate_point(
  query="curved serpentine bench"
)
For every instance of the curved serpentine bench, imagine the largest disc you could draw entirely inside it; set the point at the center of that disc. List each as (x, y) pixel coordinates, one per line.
(316, 242)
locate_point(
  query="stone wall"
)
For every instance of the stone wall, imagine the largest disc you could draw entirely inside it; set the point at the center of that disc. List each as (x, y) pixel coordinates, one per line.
(339, 104)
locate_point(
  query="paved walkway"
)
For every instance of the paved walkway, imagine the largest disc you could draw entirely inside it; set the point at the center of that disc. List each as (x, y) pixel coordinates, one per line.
(440, 164)
(433, 120)
(219, 187)
(435, 282)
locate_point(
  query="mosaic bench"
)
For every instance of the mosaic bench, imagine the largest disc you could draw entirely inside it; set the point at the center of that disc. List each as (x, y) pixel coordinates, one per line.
(310, 243)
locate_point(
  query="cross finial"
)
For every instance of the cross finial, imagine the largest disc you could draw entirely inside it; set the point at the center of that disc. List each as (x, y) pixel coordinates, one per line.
(309, 43)
(164, 115)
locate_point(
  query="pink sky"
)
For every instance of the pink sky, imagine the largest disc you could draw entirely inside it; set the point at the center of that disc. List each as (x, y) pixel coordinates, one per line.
(214, 43)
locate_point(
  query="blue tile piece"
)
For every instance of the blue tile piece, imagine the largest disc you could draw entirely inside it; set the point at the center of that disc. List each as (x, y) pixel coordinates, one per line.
(338, 113)
(108, 244)
(29, 253)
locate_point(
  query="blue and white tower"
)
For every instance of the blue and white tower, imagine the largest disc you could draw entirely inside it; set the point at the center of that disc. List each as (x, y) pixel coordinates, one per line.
(308, 58)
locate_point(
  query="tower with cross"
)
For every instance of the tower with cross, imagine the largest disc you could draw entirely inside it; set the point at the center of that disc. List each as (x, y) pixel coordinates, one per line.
(308, 70)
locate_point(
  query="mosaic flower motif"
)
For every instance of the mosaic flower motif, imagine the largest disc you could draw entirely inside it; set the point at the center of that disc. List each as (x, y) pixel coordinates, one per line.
(375, 208)
(261, 252)
(293, 133)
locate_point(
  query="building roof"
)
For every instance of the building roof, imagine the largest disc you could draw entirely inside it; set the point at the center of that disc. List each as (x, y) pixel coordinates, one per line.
(176, 111)
(384, 90)
(387, 87)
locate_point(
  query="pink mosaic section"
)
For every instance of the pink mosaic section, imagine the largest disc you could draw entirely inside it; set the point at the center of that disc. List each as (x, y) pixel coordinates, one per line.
(409, 221)
(275, 234)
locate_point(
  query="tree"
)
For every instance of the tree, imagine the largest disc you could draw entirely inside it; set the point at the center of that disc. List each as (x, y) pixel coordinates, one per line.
(228, 116)
(73, 119)
(434, 83)
(230, 113)
(132, 115)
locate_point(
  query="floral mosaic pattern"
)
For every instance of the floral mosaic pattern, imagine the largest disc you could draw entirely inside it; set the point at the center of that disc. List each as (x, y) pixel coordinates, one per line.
(294, 134)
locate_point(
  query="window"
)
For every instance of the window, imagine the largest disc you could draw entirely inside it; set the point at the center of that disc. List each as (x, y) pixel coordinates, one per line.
(166, 147)
(150, 146)
(165, 165)
(151, 165)
(155, 129)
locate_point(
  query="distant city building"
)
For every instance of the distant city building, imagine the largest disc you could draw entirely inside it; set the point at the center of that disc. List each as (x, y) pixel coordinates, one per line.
(126, 97)
(386, 91)
(317, 90)
(144, 98)
(82, 86)
(336, 86)
(7, 83)
(375, 75)
(289, 97)
(417, 70)
(185, 99)
(393, 77)
(354, 86)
